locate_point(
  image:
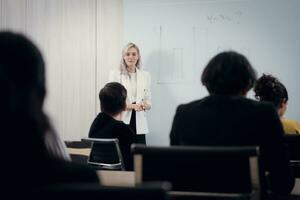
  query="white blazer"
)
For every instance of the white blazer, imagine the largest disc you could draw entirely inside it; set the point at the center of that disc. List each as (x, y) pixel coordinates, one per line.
(143, 81)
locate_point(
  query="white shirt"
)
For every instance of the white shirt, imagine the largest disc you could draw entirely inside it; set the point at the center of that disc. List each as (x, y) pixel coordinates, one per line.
(133, 88)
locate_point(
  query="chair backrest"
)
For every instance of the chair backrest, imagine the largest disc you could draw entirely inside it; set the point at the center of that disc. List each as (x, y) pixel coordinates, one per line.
(204, 171)
(105, 154)
(79, 151)
(94, 191)
(293, 142)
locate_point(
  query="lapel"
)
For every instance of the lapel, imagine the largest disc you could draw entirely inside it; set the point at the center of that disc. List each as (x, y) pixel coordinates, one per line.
(126, 83)
(139, 85)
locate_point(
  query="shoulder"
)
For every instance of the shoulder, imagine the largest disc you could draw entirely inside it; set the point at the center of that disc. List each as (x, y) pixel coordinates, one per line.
(191, 105)
(290, 121)
(100, 117)
(290, 126)
(143, 72)
(255, 106)
(188, 107)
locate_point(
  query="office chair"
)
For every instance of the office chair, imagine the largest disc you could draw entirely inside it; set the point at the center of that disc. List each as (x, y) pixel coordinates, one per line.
(79, 151)
(293, 143)
(201, 172)
(105, 154)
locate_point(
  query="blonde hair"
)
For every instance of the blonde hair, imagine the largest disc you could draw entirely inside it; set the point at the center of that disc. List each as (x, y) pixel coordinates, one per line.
(123, 66)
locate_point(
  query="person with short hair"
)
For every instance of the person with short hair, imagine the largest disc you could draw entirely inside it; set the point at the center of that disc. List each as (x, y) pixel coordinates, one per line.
(227, 118)
(137, 82)
(270, 89)
(108, 123)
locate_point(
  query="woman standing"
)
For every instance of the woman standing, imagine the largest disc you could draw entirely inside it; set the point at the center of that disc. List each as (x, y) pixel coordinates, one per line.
(137, 82)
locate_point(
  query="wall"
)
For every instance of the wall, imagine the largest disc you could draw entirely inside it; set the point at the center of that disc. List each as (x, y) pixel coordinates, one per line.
(178, 37)
(81, 42)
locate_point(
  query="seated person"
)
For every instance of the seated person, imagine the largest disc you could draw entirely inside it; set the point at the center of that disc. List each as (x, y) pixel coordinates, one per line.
(269, 88)
(108, 123)
(227, 118)
(30, 162)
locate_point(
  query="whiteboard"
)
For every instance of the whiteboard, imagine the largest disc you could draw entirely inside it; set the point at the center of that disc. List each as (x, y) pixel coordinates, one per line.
(178, 37)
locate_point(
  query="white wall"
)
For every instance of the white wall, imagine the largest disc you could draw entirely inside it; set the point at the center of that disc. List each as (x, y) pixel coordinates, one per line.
(80, 41)
(178, 37)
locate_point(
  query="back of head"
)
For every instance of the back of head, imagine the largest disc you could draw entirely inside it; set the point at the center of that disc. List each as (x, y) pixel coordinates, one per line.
(22, 73)
(113, 98)
(228, 73)
(269, 88)
(22, 86)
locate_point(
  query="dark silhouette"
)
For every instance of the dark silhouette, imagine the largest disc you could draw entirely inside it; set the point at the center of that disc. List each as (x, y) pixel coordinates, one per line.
(28, 162)
(227, 118)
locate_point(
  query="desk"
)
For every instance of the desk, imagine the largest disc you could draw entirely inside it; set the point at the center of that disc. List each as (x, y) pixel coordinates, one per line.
(116, 178)
(79, 151)
(127, 178)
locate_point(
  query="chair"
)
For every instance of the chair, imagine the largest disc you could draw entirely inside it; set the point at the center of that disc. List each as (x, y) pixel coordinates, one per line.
(79, 151)
(105, 154)
(293, 142)
(207, 172)
(94, 191)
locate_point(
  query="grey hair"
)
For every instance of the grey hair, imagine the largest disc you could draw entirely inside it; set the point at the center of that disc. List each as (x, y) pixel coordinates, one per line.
(123, 66)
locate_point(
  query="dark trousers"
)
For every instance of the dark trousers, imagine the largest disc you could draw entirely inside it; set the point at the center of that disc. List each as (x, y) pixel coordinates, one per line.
(141, 138)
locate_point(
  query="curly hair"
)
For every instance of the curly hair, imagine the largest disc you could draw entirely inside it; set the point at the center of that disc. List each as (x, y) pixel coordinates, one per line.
(269, 88)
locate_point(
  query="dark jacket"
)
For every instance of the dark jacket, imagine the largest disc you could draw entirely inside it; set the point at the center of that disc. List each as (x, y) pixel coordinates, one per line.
(104, 126)
(227, 120)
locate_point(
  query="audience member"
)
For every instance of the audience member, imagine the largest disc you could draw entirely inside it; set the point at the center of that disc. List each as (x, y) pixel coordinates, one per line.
(34, 156)
(227, 118)
(108, 123)
(268, 88)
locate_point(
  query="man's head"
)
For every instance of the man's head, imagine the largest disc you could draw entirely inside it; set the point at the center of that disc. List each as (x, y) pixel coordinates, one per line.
(113, 98)
(228, 73)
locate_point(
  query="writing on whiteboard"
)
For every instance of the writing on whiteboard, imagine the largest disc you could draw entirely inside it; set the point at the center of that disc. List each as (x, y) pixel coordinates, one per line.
(221, 18)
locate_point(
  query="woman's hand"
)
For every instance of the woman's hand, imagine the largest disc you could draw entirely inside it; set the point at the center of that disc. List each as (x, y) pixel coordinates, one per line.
(139, 107)
(142, 106)
(145, 105)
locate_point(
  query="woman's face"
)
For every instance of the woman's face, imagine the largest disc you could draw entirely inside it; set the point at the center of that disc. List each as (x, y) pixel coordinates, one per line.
(131, 57)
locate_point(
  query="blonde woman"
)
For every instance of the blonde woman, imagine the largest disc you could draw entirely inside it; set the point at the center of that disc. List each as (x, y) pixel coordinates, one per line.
(137, 82)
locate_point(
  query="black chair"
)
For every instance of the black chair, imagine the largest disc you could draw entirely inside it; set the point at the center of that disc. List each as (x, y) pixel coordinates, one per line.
(105, 154)
(293, 142)
(201, 172)
(80, 159)
(79, 155)
(78, 144)
(94, 191)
